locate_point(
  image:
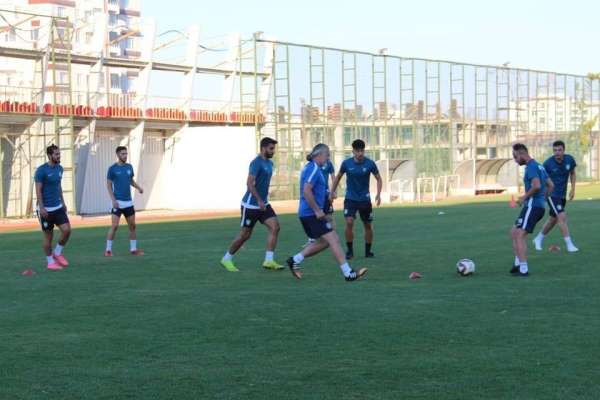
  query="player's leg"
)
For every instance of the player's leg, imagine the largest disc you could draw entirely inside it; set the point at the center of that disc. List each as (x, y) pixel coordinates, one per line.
(564, 230)
(349, 216)
(248, 220)
(513, 237)
(115, 216)
(521, 242)
(51, 263)
(333, 241)
(273, 227)
(65, 234)
(538, 242)
(366, 215)
(62, 221)
(130, 218)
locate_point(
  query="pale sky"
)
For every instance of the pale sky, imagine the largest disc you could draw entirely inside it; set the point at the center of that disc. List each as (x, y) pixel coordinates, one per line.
(554, 35)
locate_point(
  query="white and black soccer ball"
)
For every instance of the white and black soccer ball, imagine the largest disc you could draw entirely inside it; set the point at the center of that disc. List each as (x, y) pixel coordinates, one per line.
(465, 267)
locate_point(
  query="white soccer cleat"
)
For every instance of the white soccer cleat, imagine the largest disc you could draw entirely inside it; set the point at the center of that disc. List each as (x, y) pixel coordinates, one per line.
(538, 244)
(572, 249)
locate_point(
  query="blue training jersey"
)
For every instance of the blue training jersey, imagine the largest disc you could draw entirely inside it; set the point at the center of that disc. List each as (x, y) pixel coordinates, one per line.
(261, 170)
(533, 169)
(358, 178)
(50, 178)
(121, 175)
(312, 173)
(560, 172)
(327, 170)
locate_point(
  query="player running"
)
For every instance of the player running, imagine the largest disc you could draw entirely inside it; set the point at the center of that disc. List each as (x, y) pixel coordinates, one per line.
(51, 208)
(560, 168)
(313, 198)
(255, 207)
(328, 171)
(358, 170)
(119, 180)
(537, 188)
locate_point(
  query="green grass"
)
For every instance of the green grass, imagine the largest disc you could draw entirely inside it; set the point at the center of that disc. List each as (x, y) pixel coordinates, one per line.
(175, 325)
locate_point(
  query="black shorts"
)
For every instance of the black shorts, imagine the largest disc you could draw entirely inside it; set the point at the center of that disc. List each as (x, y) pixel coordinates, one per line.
(364, 208)
(314, 227)
(328, 207)
(529, 217)
(557, 205)
(57, 217)
(127, 211)
(250, 216)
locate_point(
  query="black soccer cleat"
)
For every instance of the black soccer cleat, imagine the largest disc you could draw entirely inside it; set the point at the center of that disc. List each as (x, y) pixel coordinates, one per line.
(294, 268)
(370, 254)
(515, 270)
(353, 276)
(349, 255)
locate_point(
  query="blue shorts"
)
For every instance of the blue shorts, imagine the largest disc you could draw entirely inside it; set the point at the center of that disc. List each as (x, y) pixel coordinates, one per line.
(328, 208)
(250, 216)
(557, 205)
(314, 227)
(127, 212)
(529, 217)
(364, 209)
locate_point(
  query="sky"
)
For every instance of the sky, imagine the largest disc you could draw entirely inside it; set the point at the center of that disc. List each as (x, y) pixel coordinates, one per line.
(553, 35)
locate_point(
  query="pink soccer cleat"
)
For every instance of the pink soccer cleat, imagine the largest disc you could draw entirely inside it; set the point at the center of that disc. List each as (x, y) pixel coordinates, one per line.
(54, 267)
(108, 253)
(137, 252)
(61, 260)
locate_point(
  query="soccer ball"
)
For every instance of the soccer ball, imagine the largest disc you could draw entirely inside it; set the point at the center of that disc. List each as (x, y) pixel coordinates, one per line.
(465, 267)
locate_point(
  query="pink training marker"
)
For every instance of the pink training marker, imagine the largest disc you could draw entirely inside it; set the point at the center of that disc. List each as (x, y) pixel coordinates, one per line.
(553, 248)
(415, 275)
(28, 272)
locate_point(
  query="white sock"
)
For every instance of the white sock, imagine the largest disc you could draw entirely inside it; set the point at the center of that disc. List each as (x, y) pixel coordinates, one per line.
(311, 240)
(50, 260)
(568, 241)
(227, 256)
(523, 267)
(269, 255)
(346, 269)
(517, 262)
(109, 245)
(58, 249)
(132, 245)
(540, 237)
(298, 258)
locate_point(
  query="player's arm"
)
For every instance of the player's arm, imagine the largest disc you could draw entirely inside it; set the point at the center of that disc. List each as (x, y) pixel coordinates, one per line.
(135, 185)
(379, 187)
(40, 199)
(573, 177)
(549, 187)
(310, 199)
(62, 197)
(536, 185)
(109, 188)
(251, 184)
(336, 182)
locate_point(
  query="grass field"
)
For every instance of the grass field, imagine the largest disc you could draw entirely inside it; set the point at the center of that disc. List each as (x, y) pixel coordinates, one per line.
(175, 325)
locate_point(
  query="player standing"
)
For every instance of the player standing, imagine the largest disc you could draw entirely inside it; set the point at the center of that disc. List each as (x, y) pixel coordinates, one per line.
(119, 180)
(358, 170)
(560, 168)
(255, 207)
(537, 187)
(313, 198)
(51, 208)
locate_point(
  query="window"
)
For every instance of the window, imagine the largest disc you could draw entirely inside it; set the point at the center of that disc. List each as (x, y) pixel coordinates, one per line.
(61, 12)
(35, 34)
(115, 82)
(112, 19)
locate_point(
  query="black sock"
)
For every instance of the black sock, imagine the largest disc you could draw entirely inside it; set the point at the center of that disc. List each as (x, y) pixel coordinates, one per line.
(350, 247)
(368, 247)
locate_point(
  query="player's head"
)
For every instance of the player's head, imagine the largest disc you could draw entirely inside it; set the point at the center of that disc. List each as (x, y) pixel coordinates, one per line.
(558, 149)
(520, 153)
(122, 154)
(319, 154)
(53, 153)
(267, 147)
(358, 149)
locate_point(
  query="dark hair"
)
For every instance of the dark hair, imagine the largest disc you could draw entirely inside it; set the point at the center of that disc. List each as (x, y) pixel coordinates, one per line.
(318, 149)
(559, 143)
(51, 149)
(358, 144)
(520, 147)
(120, 148)
(267, 141)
